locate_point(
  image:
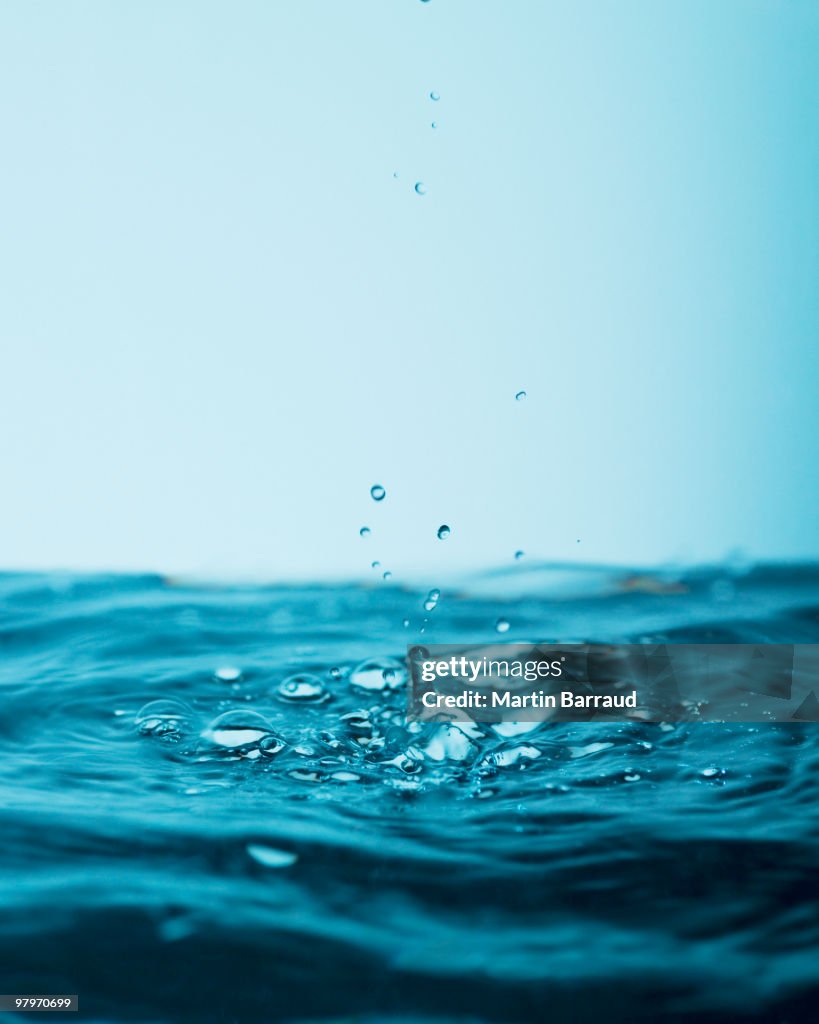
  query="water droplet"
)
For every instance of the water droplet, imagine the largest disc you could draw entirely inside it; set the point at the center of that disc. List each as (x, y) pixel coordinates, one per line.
(303, 688)
(375, 565)
(435, 96)
(405, 623)
(365, 531)
(434, 124)
(712, 773)
(269, 857)
(377, 492)
(167, 719)
(510, 756)
(520, 396)
(502, 626)
(420, 188)
(228, 674)
(271, 745)
(359, 723)
(443, 532)
(432, 600)
(449, 743)
(519, 555)
(631, 778)
(238, 729)
(386, 574)
(335, 673)
(378, 674)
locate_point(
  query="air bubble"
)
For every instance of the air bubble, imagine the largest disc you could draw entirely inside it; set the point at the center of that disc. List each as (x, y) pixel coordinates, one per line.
(168, 720)
(378, 674)
(240, 730)
(377, 492)
(302, 688)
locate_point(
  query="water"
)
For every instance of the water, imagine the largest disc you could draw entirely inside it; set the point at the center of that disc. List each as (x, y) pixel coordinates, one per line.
(212, 810)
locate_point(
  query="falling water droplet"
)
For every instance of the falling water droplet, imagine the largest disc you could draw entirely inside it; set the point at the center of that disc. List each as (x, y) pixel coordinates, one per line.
(443, 532)
(405, 623)
(377, 492)
(519, 555)
(502, 626)
(434, 124)
(386, 574)
(420, 188)
(520, 396)
(375, 565)
(431, 601)
(365, 531)
(434, 96)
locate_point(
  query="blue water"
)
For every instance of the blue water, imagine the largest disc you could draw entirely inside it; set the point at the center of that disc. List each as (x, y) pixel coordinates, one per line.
(247, 851)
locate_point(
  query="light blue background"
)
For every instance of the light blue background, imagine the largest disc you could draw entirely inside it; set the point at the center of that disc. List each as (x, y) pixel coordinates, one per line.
(222, 318)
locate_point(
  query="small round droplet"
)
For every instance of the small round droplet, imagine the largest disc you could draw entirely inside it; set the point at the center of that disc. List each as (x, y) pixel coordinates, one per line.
(502, 626)
(520, 396)
(443, 532)
(386, 574)
(377, 492)
(375, 565)
(335, 672)
(420, 188)
(435, 96)
(302, 688)
(405, 623)
(228, 674)
(519, 554)
(434, 124)
(365, 531)
(271, 745)
(378, 674)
